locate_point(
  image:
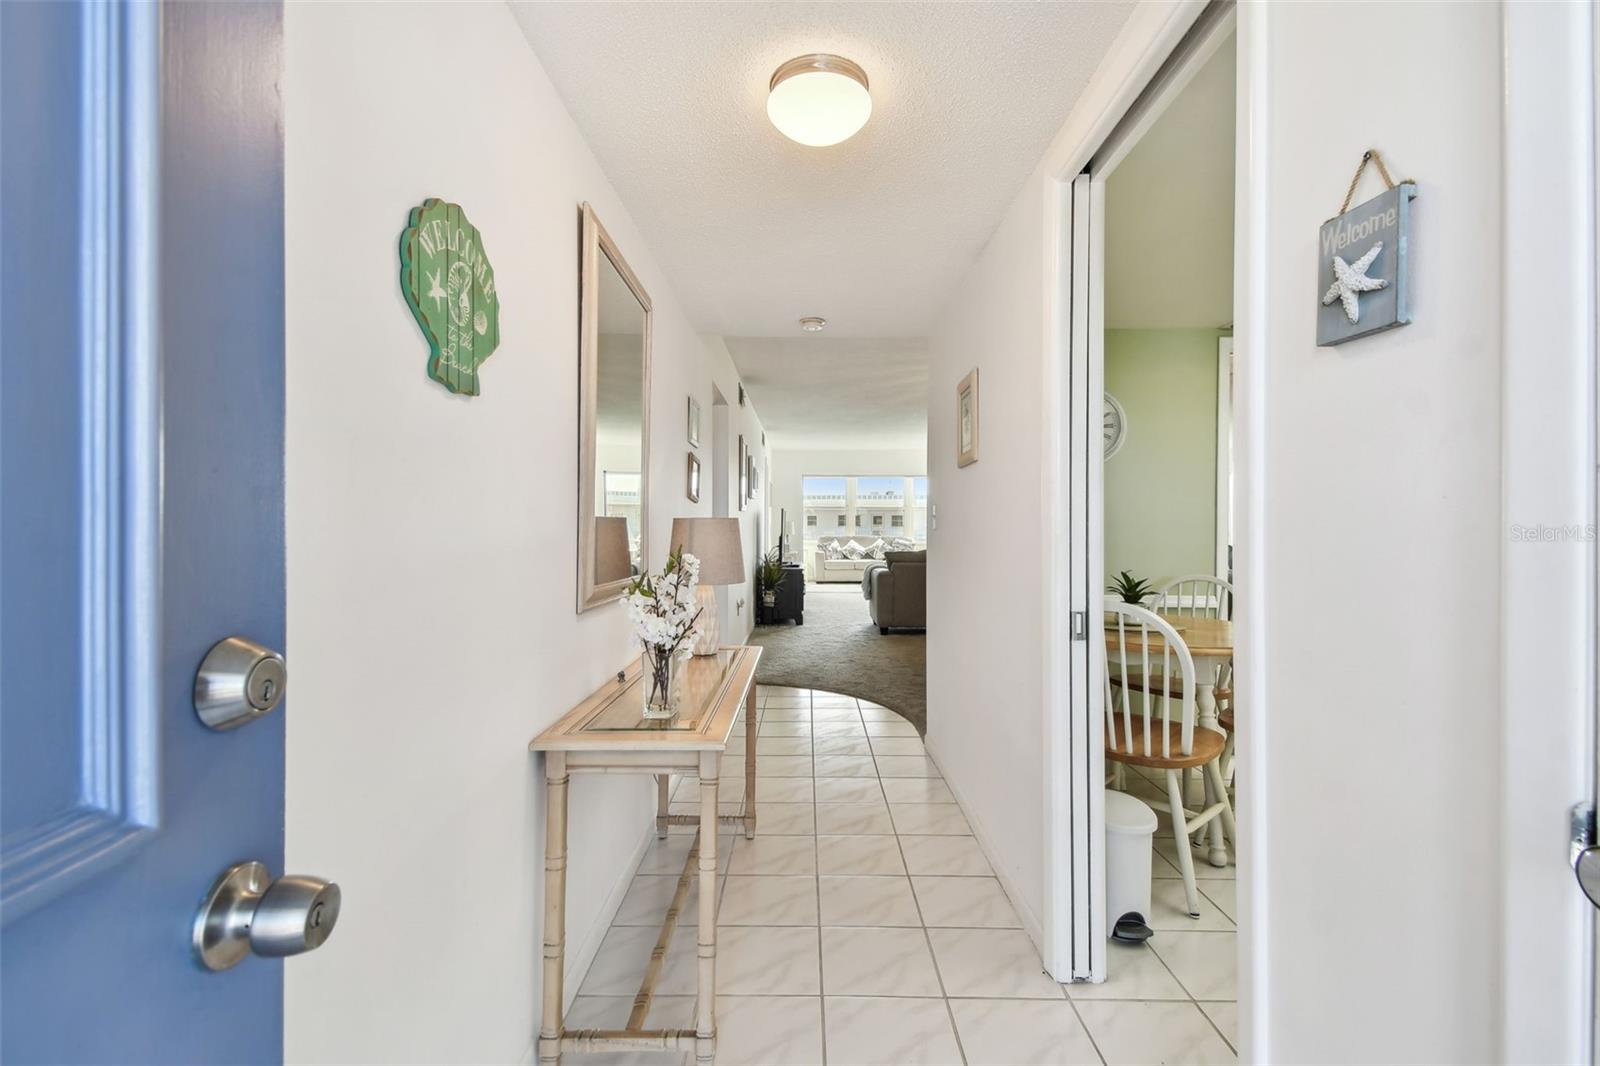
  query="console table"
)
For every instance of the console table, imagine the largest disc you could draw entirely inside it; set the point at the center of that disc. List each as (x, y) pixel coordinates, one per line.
(608, 734)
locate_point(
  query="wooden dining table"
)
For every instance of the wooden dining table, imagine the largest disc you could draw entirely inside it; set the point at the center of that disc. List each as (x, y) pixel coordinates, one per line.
(1210, 644)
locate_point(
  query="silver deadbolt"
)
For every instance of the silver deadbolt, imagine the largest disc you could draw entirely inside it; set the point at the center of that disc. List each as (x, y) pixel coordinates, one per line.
(238, 682)
(247, 912)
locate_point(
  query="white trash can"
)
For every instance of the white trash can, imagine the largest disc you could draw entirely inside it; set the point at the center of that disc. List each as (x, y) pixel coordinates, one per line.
(1130, 830)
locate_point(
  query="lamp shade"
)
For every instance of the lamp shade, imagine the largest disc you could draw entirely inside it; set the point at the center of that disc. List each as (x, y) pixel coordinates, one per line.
(612, 560)
(715, 542)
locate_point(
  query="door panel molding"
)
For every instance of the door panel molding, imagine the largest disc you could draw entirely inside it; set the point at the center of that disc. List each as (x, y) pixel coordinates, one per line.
(116, 500)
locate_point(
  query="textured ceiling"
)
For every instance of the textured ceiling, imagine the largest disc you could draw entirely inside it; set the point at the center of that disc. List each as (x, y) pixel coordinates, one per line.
(755, 230)
(824, 392)
(1169, 212)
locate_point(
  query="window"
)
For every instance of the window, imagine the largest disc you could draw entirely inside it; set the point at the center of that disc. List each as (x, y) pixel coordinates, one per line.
(844, 506)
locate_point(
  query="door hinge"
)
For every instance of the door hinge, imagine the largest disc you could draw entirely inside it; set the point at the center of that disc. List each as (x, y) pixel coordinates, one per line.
(1080, 625)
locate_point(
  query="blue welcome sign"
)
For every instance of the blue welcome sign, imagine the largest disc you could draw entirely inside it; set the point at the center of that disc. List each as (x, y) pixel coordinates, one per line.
(1362, 260)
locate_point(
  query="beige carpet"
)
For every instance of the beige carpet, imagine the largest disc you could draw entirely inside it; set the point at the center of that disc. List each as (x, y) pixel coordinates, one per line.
(840, 650)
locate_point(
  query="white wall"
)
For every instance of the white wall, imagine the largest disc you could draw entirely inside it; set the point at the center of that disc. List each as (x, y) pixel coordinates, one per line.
(735, 603)
(1161, 486)
(1382, 475)
(1380, 773)
(791, 466)
(985, 618)
(431, 538)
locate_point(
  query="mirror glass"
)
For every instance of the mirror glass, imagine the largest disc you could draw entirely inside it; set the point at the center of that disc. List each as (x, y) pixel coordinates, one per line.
(619, 424)
(614, 453)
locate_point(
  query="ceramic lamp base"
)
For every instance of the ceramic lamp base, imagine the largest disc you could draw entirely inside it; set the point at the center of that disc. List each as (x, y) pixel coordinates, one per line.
(710, 638)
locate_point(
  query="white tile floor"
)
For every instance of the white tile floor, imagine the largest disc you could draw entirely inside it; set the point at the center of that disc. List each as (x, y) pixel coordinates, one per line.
(864, 925)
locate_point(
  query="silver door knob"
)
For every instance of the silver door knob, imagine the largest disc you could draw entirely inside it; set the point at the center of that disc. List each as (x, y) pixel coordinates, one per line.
(238, 682)
(247, 912)
(1586, 864)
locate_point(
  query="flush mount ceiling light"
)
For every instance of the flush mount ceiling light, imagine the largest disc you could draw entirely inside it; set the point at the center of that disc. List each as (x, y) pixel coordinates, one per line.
(819, 99)
(813, 323)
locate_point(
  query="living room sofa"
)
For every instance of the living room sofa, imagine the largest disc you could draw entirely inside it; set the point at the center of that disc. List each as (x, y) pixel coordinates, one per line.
(826, 568)
(897, 591)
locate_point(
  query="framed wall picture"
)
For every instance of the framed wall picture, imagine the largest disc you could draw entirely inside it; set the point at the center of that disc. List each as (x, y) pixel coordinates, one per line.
(967, 420)
(693, 488)
(754, 479)
(744, 473)
(694, 422)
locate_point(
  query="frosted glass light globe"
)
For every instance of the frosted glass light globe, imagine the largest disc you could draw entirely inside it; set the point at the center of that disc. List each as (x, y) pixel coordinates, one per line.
(819, 100)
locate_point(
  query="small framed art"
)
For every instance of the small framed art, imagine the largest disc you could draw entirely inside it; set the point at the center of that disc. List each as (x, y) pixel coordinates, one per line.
(967, 420)
(693, 488)
(694, 422)
(744, 473)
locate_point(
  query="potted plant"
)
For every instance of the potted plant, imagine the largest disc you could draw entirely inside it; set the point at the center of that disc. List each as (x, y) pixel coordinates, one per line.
(770, 573)
(1130, 589)
(664, 619)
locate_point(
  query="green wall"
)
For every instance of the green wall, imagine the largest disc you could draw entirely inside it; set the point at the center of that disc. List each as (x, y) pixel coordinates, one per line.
(1160, 488)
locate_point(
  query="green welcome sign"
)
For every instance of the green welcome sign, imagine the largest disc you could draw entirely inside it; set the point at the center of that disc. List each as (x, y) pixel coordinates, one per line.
(449, 284)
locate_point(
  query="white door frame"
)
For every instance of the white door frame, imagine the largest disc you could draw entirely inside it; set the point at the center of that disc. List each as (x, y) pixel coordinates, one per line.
(1074, 841)
(1548, 633)
(1224, 535)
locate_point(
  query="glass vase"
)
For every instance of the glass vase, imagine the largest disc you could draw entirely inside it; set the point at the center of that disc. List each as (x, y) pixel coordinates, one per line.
(660, 671)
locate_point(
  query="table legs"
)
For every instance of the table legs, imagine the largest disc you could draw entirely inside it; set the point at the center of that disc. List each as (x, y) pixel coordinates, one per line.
(705, 1044)
(555, 903)
(663, 782)
(750, 764)
(1205, 699)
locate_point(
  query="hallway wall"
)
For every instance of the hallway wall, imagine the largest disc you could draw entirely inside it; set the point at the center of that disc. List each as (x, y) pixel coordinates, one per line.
(432, 538)
(985, 606)
(1382, 461)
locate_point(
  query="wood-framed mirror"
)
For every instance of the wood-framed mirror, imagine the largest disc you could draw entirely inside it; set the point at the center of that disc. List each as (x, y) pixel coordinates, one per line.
(614, 430)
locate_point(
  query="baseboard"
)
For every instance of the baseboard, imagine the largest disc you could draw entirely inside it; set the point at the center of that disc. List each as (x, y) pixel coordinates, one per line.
(578, 962)
(1030, 921)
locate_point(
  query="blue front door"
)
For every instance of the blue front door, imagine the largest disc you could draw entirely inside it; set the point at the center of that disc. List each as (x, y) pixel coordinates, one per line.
(141, 518)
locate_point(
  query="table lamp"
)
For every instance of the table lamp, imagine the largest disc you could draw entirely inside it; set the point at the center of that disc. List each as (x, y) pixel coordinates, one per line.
(612, 560)
(715, 542)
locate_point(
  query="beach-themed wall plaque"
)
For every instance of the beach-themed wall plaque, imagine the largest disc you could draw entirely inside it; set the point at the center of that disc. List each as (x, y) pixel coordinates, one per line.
(1363, 283)
(449, 285)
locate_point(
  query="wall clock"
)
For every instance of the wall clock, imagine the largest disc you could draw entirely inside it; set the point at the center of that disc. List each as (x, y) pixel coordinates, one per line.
(1115, 427)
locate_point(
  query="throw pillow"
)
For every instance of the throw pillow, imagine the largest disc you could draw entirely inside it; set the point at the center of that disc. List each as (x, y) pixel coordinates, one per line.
(875, 549)
(854, 551)
(833, 550)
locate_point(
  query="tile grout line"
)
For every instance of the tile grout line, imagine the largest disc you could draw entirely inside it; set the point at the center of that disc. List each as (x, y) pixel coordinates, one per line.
(927, 937)
(816, 872)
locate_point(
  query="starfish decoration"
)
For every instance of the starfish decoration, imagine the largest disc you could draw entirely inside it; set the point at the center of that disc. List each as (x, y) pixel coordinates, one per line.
(436, 291)
(1350, 279)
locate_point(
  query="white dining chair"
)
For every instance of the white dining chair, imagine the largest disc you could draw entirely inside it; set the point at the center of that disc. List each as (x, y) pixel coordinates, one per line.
(1195, 596)
(1140, 729)
(1205, 596)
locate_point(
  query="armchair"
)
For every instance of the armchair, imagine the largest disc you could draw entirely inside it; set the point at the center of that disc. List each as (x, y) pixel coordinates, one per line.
(898, 592)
